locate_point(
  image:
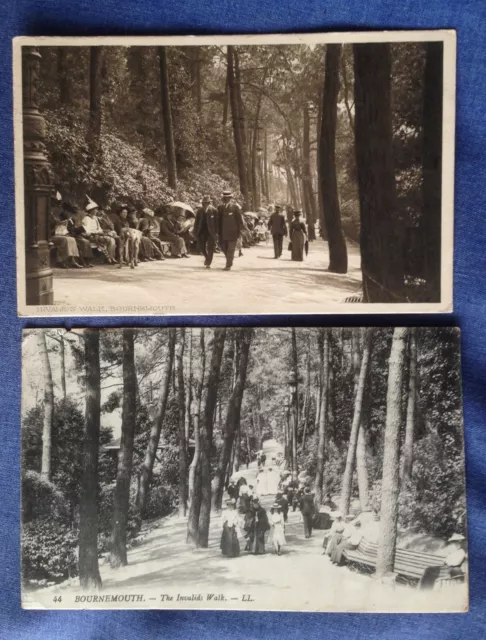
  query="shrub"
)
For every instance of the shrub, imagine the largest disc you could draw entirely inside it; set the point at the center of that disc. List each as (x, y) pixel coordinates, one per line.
(42, 499)
(48, 551)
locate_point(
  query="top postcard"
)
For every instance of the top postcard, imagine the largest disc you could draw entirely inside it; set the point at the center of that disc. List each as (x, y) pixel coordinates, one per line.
(219, 175)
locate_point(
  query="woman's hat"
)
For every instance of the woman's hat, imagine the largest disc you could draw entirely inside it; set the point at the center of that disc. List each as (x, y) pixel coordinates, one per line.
(227, 194)
(91, 204)
(231, 502)
(339, 527)
(336, 515)
(148, 212)
(297, 212)
(456, 537)
(122, 206)
(276, 505)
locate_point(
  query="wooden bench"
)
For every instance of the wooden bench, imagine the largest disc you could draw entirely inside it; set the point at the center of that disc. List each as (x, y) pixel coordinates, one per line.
(408, 564)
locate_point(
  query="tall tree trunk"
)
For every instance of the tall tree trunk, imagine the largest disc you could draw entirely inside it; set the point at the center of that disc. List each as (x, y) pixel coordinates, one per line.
(48, 407)
(307, 176)
(63, 368)
(182, 424)
(170, 152)
(291, 185)
(226, 99)
(338, 255)
(194, 483)
(232, 417)
(432, 167)
(407, 459)
(323, 342)
(361, 449)
(89, 573)
(245, 135)
(118, 554)
(154, 438)
(236, 461)
(390, 485)
(381, 246)
(295, 405)
(63, 75)
(207, 435)
(188, 395)
(95, 90)
(265, 179)
(238, 126)
(353, 436)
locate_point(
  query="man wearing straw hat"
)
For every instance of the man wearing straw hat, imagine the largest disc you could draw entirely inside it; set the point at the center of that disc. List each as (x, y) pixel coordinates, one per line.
(230, 227)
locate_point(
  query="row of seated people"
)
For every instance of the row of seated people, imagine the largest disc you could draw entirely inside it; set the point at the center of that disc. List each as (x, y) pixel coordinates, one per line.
(75, 235)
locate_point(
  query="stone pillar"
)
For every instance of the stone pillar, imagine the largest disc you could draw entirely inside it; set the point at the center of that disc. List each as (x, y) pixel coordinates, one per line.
(37, 187)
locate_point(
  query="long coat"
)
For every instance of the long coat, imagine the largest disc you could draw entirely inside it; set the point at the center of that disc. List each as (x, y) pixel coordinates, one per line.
(230, 222)
(277, 225)
(207, 222)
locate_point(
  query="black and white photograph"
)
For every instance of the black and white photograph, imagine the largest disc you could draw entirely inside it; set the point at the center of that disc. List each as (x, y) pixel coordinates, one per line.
(216, 175)
(280, 469)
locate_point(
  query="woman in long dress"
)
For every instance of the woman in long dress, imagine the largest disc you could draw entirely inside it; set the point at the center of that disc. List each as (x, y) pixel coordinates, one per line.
(298, 237)
(278, 530)
(230, 546)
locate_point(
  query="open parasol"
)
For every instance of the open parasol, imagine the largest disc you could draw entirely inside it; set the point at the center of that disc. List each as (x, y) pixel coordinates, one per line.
(181, 205)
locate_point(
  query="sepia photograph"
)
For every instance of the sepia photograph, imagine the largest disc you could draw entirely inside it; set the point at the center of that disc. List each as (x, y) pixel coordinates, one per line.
(275, 469)
(216, 175)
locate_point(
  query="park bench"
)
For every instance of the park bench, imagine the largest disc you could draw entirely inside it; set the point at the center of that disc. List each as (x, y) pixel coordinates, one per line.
(408, 564)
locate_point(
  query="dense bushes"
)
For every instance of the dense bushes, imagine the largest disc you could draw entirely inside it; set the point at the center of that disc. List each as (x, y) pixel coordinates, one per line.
(41, 499)
(122, 173)
(48, 551)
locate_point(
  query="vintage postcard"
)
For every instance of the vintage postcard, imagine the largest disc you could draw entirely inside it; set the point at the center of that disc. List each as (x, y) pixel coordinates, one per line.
(220, 175)
(281, 469)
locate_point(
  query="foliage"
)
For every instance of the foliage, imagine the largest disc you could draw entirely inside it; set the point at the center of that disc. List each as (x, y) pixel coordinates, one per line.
(48, 551)
(41, 499)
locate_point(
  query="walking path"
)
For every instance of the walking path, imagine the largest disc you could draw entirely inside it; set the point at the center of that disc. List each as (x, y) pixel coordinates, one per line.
(164, 567)
(257, 284)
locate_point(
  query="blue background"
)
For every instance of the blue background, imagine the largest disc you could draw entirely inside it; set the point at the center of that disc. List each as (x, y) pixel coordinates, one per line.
(159, 17)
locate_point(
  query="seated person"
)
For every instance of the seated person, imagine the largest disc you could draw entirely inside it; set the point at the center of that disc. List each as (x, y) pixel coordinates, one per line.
(67, 253)
(94, 232)
(351, 538)
(150, 227)
(170, 232)
(147, 249)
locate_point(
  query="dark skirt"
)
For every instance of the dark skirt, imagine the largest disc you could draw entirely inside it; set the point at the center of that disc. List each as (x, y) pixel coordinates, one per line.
(298, 244)
(257, 546)
(230, 547)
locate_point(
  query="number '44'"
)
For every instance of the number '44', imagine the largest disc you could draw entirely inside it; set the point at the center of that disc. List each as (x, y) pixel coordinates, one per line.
(57, 598)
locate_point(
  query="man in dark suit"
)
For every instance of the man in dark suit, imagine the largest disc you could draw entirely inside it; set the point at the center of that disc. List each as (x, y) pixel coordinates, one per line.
(206, 229)
(230, 227)
(307, 509)
(278, 228)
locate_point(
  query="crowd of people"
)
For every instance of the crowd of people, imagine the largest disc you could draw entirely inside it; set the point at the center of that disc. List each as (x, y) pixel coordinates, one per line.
(245, 520)
(171, 231)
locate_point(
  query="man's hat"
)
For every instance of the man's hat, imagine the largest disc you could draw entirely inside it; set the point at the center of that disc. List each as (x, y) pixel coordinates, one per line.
(456, 537)
(227, 194)
(297, 212)
(122, 206)
(206, 199)
(231, 502)
(278, 207)
(91, 204)
(276, 505)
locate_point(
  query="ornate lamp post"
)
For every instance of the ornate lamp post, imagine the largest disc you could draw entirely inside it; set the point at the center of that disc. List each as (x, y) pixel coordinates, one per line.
(37, 186)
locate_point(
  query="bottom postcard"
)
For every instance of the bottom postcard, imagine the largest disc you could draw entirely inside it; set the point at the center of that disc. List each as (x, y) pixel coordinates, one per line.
(277, 469)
